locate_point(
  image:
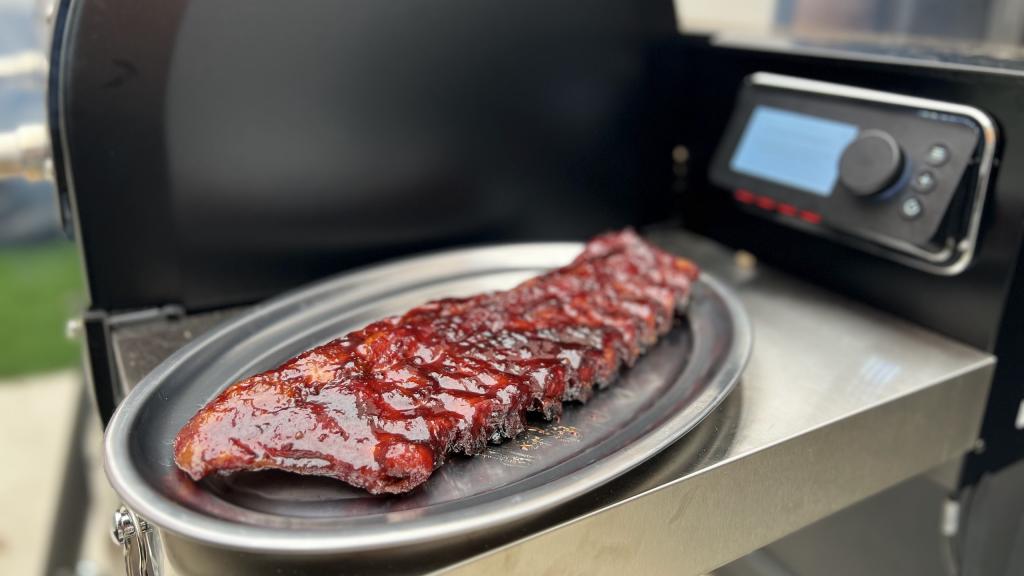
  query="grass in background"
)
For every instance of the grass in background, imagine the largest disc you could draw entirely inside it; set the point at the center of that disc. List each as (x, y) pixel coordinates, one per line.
(40, 288)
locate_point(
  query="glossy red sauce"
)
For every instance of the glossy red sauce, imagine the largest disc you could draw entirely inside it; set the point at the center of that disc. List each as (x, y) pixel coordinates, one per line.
(380, 408)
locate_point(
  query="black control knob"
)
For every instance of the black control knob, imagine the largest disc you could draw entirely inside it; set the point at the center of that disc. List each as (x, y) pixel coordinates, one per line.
(871, 163)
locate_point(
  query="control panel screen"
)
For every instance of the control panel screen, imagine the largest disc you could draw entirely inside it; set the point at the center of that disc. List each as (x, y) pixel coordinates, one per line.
(792, 149)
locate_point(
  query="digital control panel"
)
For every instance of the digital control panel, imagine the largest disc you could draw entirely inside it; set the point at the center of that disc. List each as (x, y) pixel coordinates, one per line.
(897, 175)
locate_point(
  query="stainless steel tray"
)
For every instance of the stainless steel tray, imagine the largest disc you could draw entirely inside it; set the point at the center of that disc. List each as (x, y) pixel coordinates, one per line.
(274, 514)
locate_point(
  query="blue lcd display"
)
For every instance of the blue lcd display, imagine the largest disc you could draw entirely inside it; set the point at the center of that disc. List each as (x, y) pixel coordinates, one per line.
(792, 149)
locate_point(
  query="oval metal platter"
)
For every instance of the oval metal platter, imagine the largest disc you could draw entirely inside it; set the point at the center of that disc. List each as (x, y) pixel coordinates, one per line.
(676, 384)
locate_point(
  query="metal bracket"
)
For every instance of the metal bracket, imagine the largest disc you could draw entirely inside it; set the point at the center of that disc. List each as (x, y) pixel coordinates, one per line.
(135, 537)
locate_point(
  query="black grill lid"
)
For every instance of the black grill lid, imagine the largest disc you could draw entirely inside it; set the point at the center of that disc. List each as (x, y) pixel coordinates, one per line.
(217, 155)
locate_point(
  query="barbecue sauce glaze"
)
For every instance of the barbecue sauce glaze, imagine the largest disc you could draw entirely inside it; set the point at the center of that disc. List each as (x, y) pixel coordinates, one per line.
(381, 407)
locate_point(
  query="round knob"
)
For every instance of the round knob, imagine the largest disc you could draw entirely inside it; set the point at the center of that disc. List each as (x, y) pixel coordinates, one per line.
(871, 163)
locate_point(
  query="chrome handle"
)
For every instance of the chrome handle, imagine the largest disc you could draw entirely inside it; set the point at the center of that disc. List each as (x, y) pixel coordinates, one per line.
(134, 535)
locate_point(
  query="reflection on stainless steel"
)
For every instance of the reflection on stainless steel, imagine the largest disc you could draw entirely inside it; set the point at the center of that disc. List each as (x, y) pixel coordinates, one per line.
(470, 499)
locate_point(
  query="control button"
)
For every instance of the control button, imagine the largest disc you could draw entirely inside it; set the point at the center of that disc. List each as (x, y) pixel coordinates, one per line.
(911, 208)
(937, 155)
(924, 182)
(871, 163)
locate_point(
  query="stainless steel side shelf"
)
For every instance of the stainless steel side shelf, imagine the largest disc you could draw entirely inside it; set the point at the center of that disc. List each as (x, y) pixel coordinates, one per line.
(838, 402)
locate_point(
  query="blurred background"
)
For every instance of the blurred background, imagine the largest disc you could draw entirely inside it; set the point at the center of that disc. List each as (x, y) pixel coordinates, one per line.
(46, 413)
(39, 281)
(947, 22)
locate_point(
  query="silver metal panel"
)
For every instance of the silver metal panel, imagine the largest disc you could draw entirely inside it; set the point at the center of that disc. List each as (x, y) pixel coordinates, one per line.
(838, 402)
(893, 533)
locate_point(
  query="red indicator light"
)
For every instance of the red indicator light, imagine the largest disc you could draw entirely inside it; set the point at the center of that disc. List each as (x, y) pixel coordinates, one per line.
(765, 203)
(787, 210)
(744, 196)
(812, 217)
